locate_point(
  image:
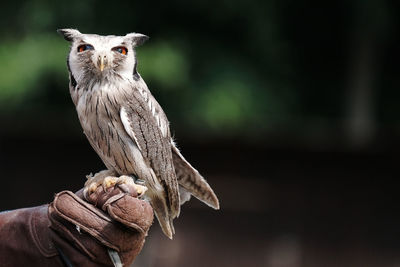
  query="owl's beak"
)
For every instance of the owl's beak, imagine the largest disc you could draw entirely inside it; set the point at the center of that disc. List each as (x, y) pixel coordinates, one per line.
(102, 62)
(102, 65)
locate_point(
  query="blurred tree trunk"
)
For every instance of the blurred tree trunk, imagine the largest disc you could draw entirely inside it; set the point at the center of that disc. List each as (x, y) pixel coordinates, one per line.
(361, 123)
(369, 29)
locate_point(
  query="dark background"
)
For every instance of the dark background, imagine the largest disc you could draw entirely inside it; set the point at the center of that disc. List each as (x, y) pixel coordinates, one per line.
(288, 108)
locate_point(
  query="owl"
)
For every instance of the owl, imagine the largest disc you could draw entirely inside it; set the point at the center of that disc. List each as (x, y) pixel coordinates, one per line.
(127, 127)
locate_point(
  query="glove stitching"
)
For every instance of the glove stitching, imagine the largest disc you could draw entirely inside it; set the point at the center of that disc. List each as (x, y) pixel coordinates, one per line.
(45, 251)
(112, 199)
(59, 227)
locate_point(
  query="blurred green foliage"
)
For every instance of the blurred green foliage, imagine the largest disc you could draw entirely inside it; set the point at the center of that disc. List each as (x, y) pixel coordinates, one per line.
(24, 62)
(221, 68)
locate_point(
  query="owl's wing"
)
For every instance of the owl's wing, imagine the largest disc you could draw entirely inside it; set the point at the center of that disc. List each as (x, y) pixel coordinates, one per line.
(146, 124)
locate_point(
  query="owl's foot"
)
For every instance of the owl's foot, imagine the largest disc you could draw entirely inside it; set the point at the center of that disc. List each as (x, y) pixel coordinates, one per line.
(107, 179)
(124, 179)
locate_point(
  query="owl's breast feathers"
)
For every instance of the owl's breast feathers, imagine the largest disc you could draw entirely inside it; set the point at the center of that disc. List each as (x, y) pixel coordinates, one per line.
(130, 132)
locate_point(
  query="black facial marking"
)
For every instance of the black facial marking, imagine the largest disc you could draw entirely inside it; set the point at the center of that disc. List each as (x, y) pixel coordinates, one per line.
(135, 73)
(71, 77)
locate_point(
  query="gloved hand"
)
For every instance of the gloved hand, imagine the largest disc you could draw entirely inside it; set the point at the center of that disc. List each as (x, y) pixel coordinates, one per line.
(73, 232)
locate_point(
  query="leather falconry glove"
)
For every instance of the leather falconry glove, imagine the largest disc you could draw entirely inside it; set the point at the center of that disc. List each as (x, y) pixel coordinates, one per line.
(73, 232)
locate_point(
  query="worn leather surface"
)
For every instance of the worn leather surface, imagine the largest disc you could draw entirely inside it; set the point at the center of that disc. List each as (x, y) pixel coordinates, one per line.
(79, 230)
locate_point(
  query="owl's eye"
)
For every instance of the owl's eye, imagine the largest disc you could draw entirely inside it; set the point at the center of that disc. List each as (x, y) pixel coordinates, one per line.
(85, 47)
(121, 50)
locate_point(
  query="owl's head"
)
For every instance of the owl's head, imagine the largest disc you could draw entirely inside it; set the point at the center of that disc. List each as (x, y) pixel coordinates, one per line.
(99, 57)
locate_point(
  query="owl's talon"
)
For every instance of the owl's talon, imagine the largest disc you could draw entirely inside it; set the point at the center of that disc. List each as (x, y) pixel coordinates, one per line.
(124, 179)
(140, 189)
(108, 182)
(92, 187)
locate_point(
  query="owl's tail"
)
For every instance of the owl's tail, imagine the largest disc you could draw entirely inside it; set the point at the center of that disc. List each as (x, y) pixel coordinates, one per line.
(162, 213)
(192, 182)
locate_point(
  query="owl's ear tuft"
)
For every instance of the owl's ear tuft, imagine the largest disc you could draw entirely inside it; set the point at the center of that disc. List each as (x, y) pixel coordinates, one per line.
(69, 34)
(137, 39)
